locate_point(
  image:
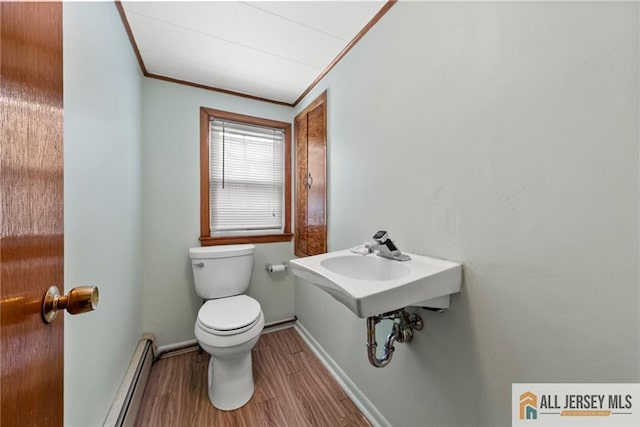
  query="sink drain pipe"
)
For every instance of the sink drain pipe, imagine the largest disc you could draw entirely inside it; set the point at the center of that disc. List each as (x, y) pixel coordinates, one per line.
(402, 331)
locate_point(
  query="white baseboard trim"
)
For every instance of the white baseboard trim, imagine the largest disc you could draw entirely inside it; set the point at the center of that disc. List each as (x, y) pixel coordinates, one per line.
(124, 408)
(176, 347)
(187, 346)
(279, 325)
(275, 329)
(356, 395)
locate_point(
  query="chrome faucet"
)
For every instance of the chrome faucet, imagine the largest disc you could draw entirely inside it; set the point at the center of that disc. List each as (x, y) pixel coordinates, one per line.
(385, 247)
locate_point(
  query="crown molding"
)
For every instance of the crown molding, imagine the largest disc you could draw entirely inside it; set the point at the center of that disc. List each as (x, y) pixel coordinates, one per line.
(313, 84)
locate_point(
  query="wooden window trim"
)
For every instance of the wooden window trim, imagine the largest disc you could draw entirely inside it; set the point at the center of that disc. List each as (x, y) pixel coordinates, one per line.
(205, 234)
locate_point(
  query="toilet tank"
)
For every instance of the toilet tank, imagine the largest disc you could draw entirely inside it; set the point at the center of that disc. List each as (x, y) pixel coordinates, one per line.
(221, 271)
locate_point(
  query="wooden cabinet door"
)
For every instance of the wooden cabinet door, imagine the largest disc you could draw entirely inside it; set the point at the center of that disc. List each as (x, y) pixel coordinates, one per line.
(301, 246)
(311, 184)
(31, 209)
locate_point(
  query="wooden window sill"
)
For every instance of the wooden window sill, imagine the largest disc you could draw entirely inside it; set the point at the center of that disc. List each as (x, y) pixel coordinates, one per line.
(236, 240)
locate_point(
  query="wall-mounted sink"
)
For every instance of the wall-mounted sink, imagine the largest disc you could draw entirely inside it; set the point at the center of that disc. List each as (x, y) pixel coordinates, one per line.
(369, 285)
(371, 268)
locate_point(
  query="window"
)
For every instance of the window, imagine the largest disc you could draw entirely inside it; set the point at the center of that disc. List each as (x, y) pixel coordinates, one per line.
(245, 179)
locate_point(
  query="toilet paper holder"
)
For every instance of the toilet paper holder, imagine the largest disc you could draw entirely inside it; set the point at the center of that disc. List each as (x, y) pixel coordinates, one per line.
(276, 268)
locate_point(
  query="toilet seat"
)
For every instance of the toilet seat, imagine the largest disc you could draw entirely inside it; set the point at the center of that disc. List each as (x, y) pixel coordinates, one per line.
(211, 340)
(229, 316)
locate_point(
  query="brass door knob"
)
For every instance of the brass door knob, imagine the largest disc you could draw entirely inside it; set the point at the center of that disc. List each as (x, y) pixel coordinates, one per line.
(78, 300)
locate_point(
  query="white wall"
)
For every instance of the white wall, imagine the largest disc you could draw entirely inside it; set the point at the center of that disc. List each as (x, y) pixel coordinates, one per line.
(102, 205)
(504, 136)
(171, 210)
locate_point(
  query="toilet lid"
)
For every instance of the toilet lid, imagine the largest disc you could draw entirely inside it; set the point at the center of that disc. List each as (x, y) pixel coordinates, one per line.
(225, 314)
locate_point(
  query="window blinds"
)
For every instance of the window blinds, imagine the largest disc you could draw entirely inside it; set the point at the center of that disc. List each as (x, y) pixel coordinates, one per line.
(246, 173)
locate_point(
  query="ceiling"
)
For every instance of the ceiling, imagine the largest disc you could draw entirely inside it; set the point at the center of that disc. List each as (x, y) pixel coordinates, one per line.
(273, 50)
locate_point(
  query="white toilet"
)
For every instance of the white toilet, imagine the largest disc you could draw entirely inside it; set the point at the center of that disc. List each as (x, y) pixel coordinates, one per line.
(229, 323)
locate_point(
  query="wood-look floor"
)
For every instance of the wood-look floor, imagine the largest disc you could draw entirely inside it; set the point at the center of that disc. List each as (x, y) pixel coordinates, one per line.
(292, 388)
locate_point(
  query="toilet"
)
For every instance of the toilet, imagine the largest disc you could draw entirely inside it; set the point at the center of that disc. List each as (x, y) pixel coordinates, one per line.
(229, 323)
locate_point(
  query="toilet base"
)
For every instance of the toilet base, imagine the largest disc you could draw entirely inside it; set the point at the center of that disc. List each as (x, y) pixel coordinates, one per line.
(230, 381)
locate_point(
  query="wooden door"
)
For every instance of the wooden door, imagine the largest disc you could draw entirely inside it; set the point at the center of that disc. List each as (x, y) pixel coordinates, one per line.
(31, 212)
(311, 185)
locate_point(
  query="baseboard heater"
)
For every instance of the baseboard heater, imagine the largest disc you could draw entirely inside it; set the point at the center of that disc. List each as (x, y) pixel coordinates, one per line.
(127, 401)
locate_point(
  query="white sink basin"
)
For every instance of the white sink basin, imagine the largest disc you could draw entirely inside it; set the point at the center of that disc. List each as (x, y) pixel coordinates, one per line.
(371, 268)
(369, 285)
